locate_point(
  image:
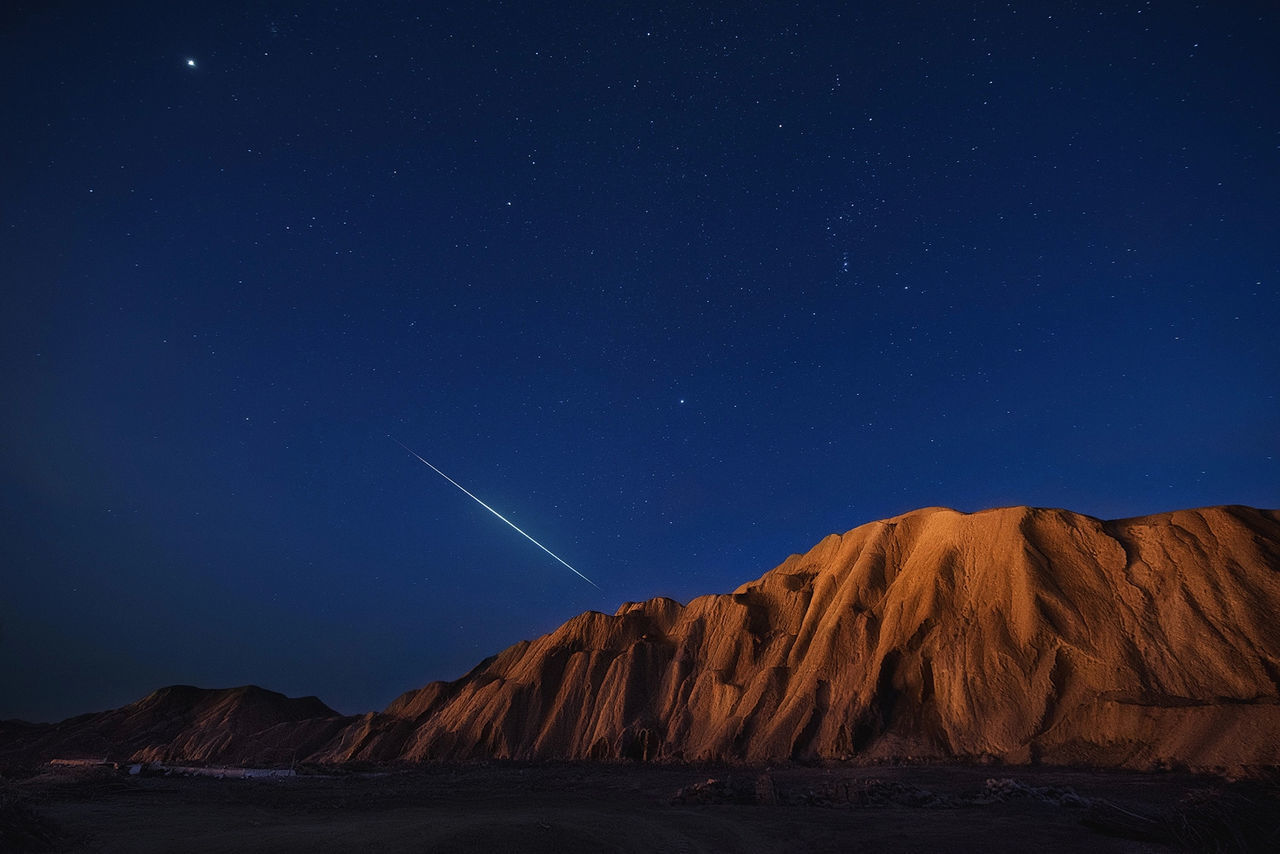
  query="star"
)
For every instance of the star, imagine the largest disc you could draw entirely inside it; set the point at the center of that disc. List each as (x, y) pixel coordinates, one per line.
(191, 63)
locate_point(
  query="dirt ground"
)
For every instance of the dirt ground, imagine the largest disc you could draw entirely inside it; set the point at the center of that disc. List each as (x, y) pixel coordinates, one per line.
(566, 808)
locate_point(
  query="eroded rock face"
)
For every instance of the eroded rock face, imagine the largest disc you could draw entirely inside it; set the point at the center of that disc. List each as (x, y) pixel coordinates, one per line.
(1020, 634)
(1016, 634)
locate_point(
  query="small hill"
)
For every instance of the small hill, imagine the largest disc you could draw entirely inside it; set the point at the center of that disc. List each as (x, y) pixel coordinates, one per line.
(178, 723)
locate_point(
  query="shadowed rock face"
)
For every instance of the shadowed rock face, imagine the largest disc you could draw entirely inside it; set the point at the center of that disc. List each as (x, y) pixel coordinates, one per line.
(1020, 634)
(175, 724)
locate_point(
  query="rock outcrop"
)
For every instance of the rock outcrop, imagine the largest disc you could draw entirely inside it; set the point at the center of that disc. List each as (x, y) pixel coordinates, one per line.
(181, 723)
(1017, 634)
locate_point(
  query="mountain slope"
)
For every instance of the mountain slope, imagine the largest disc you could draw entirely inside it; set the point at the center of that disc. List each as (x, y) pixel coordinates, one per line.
(178, 723)
(1017, 633)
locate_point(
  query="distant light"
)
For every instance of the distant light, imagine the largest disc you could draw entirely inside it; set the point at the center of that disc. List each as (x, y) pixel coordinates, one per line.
(191, 63)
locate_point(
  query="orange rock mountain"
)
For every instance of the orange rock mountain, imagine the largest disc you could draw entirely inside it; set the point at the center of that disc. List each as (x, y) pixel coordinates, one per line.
(1018, 634)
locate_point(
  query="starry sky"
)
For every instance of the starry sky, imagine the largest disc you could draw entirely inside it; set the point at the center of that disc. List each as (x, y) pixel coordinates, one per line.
(678, 289)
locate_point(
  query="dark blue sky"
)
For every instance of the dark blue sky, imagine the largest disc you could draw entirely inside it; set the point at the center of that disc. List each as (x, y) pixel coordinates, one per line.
(677, 290)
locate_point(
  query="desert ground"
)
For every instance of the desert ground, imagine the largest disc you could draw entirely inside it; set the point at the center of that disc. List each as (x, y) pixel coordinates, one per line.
(581, 807)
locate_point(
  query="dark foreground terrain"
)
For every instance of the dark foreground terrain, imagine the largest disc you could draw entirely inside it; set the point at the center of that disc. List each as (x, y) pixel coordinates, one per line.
(566, 808)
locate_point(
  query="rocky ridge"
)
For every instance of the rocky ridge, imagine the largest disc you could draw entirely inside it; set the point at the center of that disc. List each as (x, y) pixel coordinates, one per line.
(1016, 634)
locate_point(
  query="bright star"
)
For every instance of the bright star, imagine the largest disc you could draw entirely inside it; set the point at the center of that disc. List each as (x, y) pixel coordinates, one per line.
(191, 63)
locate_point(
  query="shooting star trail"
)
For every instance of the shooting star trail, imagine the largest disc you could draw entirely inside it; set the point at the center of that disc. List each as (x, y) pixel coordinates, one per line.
(494, 512)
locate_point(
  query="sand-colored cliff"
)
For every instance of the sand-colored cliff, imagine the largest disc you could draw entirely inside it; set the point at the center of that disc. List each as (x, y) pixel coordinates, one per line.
(1016, 634)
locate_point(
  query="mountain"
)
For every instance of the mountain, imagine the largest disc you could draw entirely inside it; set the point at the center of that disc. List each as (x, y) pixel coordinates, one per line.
(1018, 634)
(180, 723)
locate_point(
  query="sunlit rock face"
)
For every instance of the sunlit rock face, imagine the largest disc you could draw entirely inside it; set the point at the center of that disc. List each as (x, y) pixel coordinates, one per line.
(1017, 634)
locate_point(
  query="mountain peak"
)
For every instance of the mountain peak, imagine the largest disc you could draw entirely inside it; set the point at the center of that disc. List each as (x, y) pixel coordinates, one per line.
(1018, 633)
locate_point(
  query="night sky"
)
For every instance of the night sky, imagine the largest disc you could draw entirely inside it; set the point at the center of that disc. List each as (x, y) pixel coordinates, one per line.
(678, 290)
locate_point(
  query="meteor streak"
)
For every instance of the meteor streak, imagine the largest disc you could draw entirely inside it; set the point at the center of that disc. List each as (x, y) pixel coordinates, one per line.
(494, 512)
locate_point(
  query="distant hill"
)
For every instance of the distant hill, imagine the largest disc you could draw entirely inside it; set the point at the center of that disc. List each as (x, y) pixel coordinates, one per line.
(178, 723)
(1017, 634)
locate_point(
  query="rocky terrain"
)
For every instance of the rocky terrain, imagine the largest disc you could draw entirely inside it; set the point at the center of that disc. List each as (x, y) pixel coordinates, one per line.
(180, 723)
(1017, 635)
(565, 807)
